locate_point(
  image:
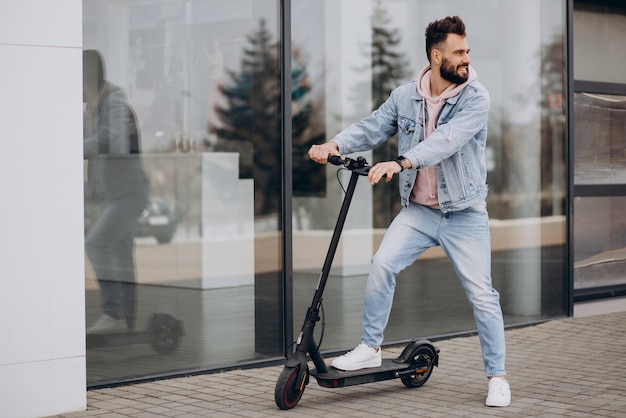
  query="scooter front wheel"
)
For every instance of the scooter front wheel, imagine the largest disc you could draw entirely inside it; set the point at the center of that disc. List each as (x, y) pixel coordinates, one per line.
(422, 362)
(165, 333)
(289, 388)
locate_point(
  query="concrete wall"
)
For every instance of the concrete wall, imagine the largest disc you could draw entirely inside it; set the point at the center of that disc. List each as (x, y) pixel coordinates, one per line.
(42, 349)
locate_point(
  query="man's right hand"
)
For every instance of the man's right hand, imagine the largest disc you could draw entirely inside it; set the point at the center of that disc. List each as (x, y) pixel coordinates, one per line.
(320, 153)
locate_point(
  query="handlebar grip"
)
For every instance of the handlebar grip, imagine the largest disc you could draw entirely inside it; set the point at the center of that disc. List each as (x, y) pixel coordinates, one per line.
(335, 159)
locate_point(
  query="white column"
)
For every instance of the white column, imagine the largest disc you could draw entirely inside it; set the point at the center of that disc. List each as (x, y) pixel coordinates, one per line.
(227, 223)
(42, 353)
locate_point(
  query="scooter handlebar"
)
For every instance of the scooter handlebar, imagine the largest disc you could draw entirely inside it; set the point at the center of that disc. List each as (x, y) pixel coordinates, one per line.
(335, 159)
(359, 166)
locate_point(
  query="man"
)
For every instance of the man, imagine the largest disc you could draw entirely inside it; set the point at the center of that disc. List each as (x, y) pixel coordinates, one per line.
(116, 182)
(441, 122)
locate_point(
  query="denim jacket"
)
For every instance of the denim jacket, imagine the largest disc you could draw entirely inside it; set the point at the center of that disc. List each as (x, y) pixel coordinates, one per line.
(111, 146)
(456, 148)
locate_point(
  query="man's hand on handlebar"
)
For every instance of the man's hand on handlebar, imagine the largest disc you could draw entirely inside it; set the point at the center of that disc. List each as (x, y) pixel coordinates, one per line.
(320, 153)
(385, 169)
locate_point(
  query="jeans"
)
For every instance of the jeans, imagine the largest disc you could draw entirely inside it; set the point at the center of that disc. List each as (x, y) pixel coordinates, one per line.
(110, 248)
(465, 239)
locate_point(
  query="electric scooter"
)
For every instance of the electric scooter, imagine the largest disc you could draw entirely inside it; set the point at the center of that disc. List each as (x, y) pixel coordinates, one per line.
(414, 365)
(163, 332)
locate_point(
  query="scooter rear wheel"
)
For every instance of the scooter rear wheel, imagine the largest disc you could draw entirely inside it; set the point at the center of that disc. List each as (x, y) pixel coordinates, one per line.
(289, 388)
(423, 359)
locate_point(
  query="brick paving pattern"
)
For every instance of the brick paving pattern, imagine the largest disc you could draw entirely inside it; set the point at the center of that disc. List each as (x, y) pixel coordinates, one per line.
(572, 367)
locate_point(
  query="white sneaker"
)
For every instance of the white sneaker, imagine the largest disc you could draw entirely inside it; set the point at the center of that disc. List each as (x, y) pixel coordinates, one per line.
(499, 393)
(361, 357)
(106, 324)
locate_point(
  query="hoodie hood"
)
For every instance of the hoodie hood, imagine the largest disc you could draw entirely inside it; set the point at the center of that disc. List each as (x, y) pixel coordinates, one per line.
(423, 84)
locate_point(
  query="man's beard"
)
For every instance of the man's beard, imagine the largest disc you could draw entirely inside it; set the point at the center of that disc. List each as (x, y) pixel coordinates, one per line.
(448, 72)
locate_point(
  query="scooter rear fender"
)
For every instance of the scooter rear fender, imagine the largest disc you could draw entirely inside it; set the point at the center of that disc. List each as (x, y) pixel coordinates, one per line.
(408, 351)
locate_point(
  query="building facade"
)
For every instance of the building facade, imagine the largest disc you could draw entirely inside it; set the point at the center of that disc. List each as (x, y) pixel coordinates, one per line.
(226, 97)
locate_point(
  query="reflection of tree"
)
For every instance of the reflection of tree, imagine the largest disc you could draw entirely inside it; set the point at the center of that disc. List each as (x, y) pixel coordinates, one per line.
(307, 129)
(388, 67)
(250, 119)
(553, 128)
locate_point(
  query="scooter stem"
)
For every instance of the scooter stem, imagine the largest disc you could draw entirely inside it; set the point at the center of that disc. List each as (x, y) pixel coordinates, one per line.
(306, 342)
(334, 242)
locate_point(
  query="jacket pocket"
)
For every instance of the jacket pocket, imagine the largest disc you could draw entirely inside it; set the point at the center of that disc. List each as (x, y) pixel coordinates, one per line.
(406, 125)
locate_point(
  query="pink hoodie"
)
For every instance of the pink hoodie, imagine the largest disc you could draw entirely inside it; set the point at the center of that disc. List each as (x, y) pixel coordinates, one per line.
(425, 187)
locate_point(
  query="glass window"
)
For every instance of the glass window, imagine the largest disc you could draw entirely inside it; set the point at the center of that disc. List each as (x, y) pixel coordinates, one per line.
(198, 85)
(188, 259)
(357, 51)
(600, 139)
(600, 237)
(598, 54)
(599, 149)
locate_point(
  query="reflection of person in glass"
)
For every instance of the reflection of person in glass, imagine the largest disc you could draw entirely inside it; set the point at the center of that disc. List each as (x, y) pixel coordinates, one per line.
(116, 182)
(441, 121)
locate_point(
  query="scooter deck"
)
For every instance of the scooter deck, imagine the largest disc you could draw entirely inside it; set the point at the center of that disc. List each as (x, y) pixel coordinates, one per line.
(163, 332)
(335, 378)
(118, 339)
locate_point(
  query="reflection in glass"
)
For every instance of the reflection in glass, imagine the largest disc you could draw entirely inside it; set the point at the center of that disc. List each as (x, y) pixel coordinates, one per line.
(596, 27)
(600, 139)
(600, 237)
(599, 150)
(207, 245)
(116, 194)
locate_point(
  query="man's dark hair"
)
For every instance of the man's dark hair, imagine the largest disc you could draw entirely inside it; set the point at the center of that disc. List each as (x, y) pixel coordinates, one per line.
(437, 32)
(93, 68)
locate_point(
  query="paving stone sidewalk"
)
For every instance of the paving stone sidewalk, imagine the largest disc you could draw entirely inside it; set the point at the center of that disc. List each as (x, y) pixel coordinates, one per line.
(574, 367)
